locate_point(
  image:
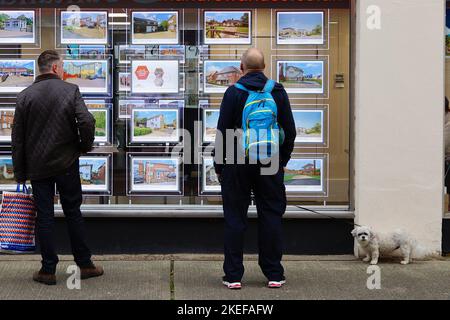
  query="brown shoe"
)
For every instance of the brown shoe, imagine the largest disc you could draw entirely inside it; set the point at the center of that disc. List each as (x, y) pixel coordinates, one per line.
(91, 272)
(44, 277)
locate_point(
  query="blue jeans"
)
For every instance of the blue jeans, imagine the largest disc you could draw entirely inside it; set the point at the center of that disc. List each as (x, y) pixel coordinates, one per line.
(69, 188)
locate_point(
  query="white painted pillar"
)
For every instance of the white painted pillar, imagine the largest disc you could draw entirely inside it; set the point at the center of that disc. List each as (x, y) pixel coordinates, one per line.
(399, 117)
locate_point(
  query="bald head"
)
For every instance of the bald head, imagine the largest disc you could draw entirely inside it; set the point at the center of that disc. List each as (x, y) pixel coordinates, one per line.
(253, 60)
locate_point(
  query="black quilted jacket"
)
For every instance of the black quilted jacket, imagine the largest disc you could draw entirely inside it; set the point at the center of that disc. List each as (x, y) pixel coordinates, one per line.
(52, 127)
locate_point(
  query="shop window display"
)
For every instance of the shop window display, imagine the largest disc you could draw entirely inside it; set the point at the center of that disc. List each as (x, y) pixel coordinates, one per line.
(154, 79)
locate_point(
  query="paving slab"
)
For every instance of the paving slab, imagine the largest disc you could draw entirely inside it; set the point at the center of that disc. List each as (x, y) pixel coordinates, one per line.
(143, 280)
(317, 280)
(149, 278)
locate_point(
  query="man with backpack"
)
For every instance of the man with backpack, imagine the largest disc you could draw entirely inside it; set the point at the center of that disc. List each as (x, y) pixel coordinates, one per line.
(259, 108)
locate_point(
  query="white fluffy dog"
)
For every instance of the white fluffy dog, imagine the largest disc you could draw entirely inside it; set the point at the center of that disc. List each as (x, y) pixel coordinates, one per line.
(373, 244)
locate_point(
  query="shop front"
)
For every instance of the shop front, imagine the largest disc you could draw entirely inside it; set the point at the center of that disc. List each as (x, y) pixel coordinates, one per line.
(153, 74)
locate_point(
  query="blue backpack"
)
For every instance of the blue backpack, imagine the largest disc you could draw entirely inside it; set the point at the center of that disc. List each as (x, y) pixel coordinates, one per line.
(262, 135)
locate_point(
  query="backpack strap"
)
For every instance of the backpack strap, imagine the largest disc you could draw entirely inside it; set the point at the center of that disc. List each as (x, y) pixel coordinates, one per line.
(240, 86)
(270, 84)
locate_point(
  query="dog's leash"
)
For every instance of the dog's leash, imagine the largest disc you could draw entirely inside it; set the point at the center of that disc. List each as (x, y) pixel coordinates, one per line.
(327, 216)
(446, 173)
(352, 224)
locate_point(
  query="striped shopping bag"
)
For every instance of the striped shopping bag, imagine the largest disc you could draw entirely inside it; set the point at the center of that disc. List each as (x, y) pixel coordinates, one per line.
(17, 221)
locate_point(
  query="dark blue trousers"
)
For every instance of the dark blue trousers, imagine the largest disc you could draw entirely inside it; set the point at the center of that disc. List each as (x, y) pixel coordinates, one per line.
(69, 187)
(238, 182)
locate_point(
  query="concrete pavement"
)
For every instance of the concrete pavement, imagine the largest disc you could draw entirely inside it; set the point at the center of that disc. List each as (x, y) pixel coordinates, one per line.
(183, 277)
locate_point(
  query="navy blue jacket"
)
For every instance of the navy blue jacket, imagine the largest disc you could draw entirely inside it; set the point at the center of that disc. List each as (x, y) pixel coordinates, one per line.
(233, 104)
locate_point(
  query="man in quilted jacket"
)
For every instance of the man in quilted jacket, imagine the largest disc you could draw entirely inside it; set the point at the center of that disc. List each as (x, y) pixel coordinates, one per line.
(52, 128)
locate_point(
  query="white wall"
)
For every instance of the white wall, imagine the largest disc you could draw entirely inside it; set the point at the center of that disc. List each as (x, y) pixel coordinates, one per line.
(399, 118)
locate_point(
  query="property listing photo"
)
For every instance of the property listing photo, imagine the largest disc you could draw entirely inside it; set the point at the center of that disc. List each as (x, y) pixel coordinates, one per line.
(210, 119)
(17, 27)
(90, 75)
(154, 174)
(155, 125)
(155, 27)
(309, 125)
(124, 81)
(101, 117)
(304, 175)
(220, 74)
(171, 52)
(16, 74)
(126, 53)
(304, 77)
(84, 27)
(227, 27)
(94, 173)
(210, 180)
(300, 28)
(6, 123)
(7, 181)
(126, 107)
(94, 52)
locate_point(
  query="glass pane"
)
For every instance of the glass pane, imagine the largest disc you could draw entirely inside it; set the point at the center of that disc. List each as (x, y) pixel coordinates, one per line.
(154, 80)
